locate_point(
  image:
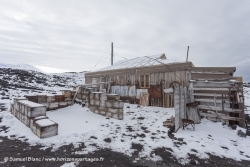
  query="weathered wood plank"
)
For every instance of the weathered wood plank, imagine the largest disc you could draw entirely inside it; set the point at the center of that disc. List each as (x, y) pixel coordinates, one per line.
(225, 117)
(212, 89)
(212, 84)
(219, 108)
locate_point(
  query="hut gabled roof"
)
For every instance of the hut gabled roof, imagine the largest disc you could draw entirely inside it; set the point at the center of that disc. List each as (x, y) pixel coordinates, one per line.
(139, 62)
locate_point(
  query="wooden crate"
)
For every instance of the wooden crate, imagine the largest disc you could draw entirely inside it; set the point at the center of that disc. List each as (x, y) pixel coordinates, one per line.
(63, 104)
(42, 98)
(22, 118)
(46, 128)
(59, 98)
(32, 120)
(67, 99)
(53, 106)
(51, 98)
(113, 97)
(46, 105)
(27, 121)
(33, 109)
(32, 98)
(66, 93)
(16, 105)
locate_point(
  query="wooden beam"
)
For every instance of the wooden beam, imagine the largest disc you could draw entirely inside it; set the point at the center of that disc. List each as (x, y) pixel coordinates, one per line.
(211, 100)
(202, 84)
(214, 79)
(213, 108)
(205, 94)
(225, 117)
(214, 89)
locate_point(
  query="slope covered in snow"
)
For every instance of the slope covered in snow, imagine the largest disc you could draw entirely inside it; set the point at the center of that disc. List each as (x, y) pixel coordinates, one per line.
(20, 66)
(13, 80)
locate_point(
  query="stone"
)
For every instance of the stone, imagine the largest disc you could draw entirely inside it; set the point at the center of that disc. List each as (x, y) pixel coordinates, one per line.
(241, 134)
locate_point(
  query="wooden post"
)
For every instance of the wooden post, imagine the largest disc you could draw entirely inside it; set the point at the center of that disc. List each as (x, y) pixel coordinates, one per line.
(162, 88)
(112, 54)
(187, 53)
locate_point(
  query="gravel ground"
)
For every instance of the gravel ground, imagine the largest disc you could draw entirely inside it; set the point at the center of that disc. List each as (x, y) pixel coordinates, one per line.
(18, 149)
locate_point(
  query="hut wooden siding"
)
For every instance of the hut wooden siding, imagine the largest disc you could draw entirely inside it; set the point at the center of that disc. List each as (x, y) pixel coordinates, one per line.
(159, 76)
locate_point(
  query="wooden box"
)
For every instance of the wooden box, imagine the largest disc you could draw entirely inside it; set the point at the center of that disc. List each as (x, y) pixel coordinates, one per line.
(59, 98)
(42, 98)
(46, 128)
(53, 106)
(66, 93)
(33, 109)
(67, 99)
(16, 105)
(51, 99)
(32, 98)
(63, 104)
(32, 120)
(113, 97)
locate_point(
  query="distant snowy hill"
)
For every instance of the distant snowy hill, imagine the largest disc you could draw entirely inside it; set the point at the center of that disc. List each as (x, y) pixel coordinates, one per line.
(20, 66)
(15, 79)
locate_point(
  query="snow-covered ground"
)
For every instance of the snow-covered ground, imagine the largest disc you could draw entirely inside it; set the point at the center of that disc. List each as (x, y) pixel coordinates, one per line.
(141, 125)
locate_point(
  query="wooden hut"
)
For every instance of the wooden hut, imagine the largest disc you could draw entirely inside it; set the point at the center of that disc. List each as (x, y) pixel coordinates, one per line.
(154, 74)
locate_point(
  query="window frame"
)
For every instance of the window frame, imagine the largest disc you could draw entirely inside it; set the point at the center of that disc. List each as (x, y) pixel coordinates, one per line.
(144, 81)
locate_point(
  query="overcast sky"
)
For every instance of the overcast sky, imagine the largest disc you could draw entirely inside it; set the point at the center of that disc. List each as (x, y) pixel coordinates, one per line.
(76, 35)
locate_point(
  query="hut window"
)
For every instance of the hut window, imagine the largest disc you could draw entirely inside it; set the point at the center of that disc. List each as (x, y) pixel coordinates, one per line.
(103, 79)
(144, 81)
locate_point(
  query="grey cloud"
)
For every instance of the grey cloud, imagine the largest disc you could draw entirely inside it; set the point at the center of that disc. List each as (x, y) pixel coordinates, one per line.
(74, 35)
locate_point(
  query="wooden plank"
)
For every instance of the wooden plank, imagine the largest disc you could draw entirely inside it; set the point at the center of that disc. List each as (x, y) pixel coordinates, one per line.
(227, 105)
(213, 89)
(208, 72)
(212, 84)
(214, 79)
(204, 94)
(219, 108)
(211, 100)
(225, 117)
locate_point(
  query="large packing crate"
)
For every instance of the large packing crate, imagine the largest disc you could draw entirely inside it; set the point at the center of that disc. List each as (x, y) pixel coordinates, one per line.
(16, 105)
(53, 106)
(32, 120)
(32, 109)
(59, 98)
(46, 128)
(42, 98)
(32, 98)
(51, 98)
(66, 93)
(63, 104)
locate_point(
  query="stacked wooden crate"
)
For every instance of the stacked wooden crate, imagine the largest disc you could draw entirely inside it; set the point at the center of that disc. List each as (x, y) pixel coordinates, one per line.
(67, 98)
(44, 128)
(107, 105)
(29, 110)
(16, 106)
(33, 115)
